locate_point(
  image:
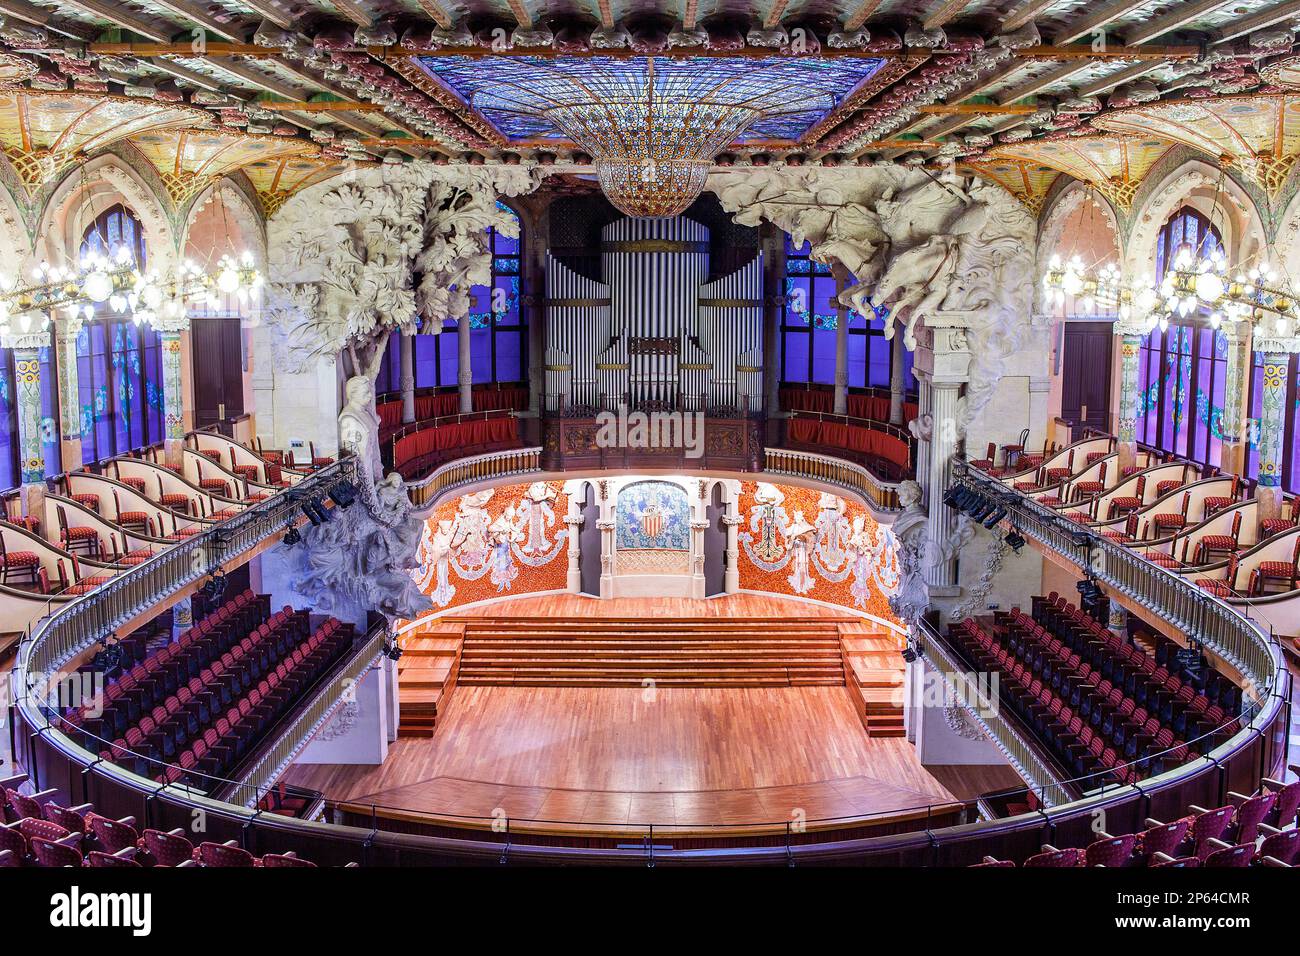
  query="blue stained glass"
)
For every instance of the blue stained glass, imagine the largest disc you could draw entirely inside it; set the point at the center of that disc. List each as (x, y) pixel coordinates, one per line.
(517, 93)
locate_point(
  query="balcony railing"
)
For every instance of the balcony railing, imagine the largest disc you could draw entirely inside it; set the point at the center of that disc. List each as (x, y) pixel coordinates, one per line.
(1166, 596)
(467, 471)
(77, 626)
(834, 471)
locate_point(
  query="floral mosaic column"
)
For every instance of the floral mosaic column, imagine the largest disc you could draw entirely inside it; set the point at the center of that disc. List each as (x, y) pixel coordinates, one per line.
(1271, 422)
(173, 404)
(1232, 422)
(27, 385)
(65, 341)
(1129, 348)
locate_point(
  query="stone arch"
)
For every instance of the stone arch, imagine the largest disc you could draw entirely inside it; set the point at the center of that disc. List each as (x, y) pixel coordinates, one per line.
(14, 237)
(1196, 183)
(1076, 210)
(88, 190)
(245, 212)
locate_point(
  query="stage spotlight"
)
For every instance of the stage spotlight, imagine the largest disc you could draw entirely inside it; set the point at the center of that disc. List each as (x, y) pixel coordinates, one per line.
(393, 651)
(909, 654)
(998, 514)
(1015, 540)
(951, 497)
(315, 511)
(291, 537)
(344, 494)
(214, 588)
(108, 658)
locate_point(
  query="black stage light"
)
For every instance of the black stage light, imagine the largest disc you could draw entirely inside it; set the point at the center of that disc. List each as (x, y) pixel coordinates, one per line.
(951, 497)
(393, 651)
(214, 588)
(997, 515)
(291, 537)
(909, 654)
(1015, 540)
(344, 494)
(315, 511)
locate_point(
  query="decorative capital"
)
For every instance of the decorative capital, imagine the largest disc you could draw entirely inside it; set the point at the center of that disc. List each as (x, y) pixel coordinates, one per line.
(24, 341)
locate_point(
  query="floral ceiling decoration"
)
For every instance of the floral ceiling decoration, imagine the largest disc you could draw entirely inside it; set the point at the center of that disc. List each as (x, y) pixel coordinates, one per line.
(1260, 135)
(1113, 165)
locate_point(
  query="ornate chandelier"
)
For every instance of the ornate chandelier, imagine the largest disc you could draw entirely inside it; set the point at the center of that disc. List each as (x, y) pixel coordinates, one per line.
(27, 307)
(652, 146)
(652, 125)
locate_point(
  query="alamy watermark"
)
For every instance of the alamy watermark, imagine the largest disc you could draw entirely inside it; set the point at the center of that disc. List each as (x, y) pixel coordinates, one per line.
(651, 430)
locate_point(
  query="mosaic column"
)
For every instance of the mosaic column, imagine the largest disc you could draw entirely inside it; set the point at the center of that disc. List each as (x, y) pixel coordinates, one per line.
(407, 378)
(65, 340)
(1232, 424)
(732, 522)
(1129, 349)
(1271, 423)
(173, 399)
(27, 385)
(465, 372)
(573, 522)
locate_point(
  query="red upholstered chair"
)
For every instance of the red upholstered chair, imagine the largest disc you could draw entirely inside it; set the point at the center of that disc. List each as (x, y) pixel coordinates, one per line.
(1128, 535)
(988, 461)
(1169, 522)
(1054, 858)
(176, 502)
(1227, 855)
(125, 858)
(78, 539)
(1211, 546)
(1087, 489)
(226, 855)
(1284, 522)
(1164, 487)
(24, 563)
(90, 501)
(1111, 851)
(318, 461)
(1161, 838)
(1280, 847)
(1225, 588)
(52, 854)
(285, 860)
(135, 484)
(1284, 572)
(1125, 504)
(168, 849)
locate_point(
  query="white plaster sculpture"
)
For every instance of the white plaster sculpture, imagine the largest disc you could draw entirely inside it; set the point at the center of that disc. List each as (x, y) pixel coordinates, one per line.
(932, 248)
(912, 597)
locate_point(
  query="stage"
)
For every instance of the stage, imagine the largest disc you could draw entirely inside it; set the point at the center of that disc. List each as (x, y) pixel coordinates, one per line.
(566, 759)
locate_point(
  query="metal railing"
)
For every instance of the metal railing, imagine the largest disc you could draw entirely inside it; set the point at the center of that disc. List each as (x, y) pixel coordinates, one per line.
(834, 471)
(1168, 597)
(77, 626)
(254, 782)
(467, 471)
(1022, 755)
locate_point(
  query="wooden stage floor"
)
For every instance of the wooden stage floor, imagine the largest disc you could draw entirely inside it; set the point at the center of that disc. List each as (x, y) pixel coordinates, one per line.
(627, 756)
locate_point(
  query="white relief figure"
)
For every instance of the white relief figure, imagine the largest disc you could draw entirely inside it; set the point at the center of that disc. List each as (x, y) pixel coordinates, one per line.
(863, 552)
(359, 424)
(503, 533)
(769, 519)
(470, 531)
(440, 555)
(832, 531)
(537, 514)
(800, 536)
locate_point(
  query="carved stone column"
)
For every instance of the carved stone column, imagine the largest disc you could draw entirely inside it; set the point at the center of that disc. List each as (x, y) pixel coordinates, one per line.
(173, 398)
(537, 228)
(606, 528)
(1272, 421)
(1130, 344)
(464, 370)
(841, 406)
(573, 521)
(65, 339)
(27, 383)
(407, 375)
(731, 582)
(943, 362)
(697, 557)
(897, 387)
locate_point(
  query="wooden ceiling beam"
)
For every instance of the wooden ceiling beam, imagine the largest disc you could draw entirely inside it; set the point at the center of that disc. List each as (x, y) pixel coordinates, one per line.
(860, 16)
(1112, 80)
(1257, 21)
(1181, 15)
(1040, 83)
(439, 13)
(354, 12)
(945, 11)
(124, 18)
(194, 15)
(1094, 23)
(774, 14)
(976, 109)
(39, 16)
(146, 51)
(319, 106)
(274, 12)
(1027, 11)
(1112, 51)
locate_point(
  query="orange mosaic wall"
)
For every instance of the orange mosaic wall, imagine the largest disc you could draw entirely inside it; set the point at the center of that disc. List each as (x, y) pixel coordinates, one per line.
(499, 542)
(847, 558)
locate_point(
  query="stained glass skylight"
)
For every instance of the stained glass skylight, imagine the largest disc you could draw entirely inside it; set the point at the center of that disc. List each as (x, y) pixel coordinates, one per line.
(520, 95)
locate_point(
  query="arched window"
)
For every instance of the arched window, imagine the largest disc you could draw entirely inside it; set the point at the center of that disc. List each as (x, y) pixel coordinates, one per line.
(1182, 371)
(498, 339)
(119, 364)
(808, 327)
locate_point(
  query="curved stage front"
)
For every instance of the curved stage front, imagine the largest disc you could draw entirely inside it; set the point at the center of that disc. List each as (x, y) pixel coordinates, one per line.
(701, 764)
